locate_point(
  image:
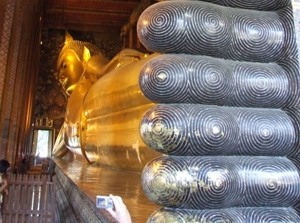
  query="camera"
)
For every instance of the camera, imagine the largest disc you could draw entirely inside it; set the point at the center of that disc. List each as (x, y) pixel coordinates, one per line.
(104, 202)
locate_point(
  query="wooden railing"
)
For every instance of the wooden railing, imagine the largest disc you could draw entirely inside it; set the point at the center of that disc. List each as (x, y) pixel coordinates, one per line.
(31, 199)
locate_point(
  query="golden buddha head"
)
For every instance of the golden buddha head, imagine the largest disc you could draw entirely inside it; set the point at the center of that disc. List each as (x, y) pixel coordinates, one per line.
(70, 63)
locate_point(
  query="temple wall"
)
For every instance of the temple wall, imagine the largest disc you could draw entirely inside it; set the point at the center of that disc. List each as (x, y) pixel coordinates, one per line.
(19, 59)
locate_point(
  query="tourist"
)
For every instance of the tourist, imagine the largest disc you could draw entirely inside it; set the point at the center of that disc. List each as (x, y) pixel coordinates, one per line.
(120, 212)
(4, 168)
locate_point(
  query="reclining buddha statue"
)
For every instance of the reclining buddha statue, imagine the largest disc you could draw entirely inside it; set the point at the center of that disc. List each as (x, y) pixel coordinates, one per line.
(104, 106)
(215, 110)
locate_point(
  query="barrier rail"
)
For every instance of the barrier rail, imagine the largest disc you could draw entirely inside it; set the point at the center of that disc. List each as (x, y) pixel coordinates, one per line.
(31, 199)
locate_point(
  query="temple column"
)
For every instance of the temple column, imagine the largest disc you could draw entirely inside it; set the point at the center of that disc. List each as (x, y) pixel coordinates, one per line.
(19, 61)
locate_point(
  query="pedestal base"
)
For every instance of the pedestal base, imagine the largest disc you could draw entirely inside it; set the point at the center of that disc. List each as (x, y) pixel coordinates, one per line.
(78, 184)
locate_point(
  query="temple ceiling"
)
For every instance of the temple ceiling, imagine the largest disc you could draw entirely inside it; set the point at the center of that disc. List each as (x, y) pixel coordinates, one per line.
(92, 15)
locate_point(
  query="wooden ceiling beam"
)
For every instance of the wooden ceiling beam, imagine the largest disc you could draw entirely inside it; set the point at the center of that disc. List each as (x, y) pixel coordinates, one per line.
(92, 5)
(79, 13)
(97, 26)
(88, 15)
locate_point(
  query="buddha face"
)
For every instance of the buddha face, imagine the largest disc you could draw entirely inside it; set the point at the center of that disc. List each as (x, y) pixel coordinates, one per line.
(70, 69)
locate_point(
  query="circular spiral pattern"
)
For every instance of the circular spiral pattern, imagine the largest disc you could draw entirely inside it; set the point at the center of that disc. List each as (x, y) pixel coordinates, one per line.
(225, 32)
(185, 78)
(219, 183)
(165, 79)
(167, 216)
(257, 36)
(266, 5)
(214, 130)
(193, 182)
(291, 68)
(211, 35)
(164, 128)
(206, 80)
(289, 54)
(226, 215)
(271, 215)
(265, 132)
(270, 181)
(211, 81)
(220, 215)
(188, 129)
(294, 114)
(166, 181)
(210, 182)
(171, 18)
(260, 84)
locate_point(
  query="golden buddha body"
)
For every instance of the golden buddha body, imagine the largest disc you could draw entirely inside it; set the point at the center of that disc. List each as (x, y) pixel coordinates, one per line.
(222, 106)
(103, 114)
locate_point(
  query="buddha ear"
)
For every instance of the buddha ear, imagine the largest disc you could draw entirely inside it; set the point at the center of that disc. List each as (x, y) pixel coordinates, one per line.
(86, 54)
(68, 38)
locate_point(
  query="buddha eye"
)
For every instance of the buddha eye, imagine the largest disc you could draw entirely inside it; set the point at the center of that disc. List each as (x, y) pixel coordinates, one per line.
(64, 65)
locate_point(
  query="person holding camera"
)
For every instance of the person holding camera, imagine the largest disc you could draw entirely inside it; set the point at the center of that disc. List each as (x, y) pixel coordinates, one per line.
(120, 212)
